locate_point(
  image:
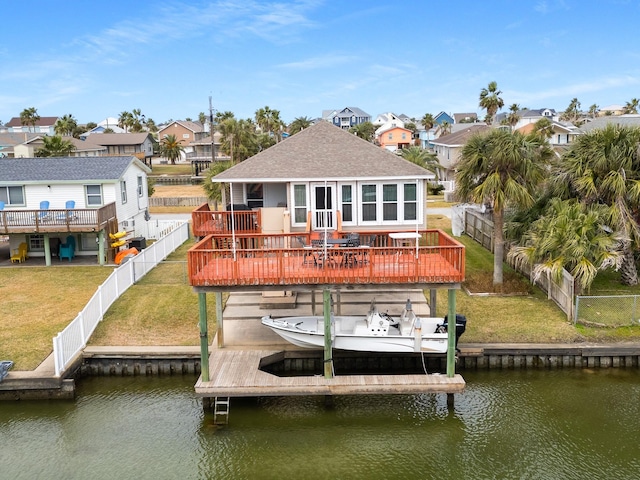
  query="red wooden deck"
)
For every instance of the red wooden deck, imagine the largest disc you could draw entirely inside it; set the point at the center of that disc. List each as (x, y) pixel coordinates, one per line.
(214, 262)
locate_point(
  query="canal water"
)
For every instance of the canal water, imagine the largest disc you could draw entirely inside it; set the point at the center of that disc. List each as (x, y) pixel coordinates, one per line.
(561, 424)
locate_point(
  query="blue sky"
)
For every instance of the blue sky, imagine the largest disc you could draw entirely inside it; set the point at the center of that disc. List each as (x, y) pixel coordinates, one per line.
(97, 59)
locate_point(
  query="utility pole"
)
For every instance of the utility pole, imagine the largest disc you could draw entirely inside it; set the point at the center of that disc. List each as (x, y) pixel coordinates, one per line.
(212, 131)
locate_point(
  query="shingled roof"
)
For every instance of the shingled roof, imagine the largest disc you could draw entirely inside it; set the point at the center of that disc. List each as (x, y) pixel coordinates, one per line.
(65, 169)
(322, 152)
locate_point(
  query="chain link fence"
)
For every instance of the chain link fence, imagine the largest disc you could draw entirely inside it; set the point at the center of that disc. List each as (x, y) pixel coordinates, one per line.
(608, 311)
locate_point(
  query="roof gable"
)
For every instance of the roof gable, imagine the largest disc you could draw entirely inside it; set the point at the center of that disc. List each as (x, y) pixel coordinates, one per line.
(459, 138)
(41, 122)
(322, 152)
(66, 169)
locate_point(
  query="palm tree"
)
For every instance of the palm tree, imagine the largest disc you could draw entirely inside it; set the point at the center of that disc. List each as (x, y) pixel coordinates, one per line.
(171, 148)
(544, 128)
(501, 168)
(427, 121)
(66, 125)
(29, 116)
(632, 106)
(513, 117)
(202, 118)
(593, 110)
(125, 120)
(299, 124)
(443, 129)
(364, 130)
(137, 121)
(490, 101)
(571, 236)
(603, 167)
(214, 189)
(422, 158)
(55, 147)
(269, 122)
(239, 139)
(572, 113)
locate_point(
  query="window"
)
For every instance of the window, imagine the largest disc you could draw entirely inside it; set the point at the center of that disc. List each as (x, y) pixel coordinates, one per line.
(36, 243)
(12, 195)
(347, 203)
(390, 136)
(94, 195)
(140, 184)
(369, 203)
(123, 191)
(300, 204)
(404, 135)
(390, 202)
(185, 135)
(255, 197)
(410, 201)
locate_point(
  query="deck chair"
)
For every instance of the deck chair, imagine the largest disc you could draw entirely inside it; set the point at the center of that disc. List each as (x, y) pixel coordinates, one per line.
(63, 216)
(43, 214)
(68, 249)
(19, 254)
(308, 258)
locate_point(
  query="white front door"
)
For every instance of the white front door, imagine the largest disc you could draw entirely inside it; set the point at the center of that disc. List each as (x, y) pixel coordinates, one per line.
(323, 206)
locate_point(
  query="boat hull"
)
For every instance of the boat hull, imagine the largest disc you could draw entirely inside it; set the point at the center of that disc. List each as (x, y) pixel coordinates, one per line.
(349, 333)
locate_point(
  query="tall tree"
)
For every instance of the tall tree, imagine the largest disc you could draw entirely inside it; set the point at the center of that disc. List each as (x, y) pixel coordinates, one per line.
(214, 189)
(270, 122)
(137, 121)
(593, 110)
(444, 128)
(632, 106)
(427, 121)
(202, 118)
(572, 113)
(603, 167)
(66, 125)
(171, 148)
(239, 139)
(364, 130)
(501, 168)
(29, 117)
(299, 124)
(55, 147)
(490, 101)
(125, 120)
(513, 117)
(422, 158)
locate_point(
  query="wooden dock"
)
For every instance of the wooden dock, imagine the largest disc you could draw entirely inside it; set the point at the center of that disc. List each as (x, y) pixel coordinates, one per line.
(235, 370)
(236, 373)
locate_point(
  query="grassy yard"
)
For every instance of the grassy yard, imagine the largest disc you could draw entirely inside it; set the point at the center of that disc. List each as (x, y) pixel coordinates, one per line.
(162, 308)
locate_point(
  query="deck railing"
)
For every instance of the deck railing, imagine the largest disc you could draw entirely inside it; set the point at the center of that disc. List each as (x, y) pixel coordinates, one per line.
(208, 222)
(56, 220)
(290, 259)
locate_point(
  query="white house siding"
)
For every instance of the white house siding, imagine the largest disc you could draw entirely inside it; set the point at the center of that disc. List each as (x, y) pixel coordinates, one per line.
(135, 206)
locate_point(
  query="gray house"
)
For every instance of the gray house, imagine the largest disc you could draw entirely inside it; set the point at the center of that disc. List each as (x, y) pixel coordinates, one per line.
(327, 178)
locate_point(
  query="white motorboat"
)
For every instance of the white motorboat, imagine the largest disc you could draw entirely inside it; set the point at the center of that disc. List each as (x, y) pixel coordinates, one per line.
(375, 332)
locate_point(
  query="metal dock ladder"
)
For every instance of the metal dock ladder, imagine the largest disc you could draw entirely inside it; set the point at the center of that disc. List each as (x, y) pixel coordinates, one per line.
(221, 410)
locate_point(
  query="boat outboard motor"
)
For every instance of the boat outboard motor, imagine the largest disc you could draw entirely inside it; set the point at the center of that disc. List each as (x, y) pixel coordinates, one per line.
(461, 325)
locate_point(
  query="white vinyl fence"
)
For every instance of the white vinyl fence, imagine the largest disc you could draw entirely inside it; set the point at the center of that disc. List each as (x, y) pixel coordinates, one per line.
(68, 343)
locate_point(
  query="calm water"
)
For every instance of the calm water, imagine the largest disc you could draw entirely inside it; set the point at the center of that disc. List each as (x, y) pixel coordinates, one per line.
(507, 425)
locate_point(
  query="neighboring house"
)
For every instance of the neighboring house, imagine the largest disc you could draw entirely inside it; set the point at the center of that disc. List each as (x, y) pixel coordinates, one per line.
(443, 117)
(632, 120)
(465, 117)
(8, 142)
(563, 134)
(44, 125)
(610, 110)
(385, 121)
(448, 148)
(110, 195)
(200, 153)
(347, 117)
(185, 132)
(529, 116)
(140, 145)
(395, 138)
(101, 129)
(326, 178)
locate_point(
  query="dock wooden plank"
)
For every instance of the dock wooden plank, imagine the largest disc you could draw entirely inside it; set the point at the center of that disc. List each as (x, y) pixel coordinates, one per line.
(236, 373)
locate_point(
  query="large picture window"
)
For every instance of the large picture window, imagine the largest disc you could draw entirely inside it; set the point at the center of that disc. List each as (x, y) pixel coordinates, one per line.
(12, 195)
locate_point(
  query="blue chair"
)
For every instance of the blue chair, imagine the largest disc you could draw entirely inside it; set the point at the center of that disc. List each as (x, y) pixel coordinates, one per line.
(69, 205)
(43, 214)
(68, 249)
